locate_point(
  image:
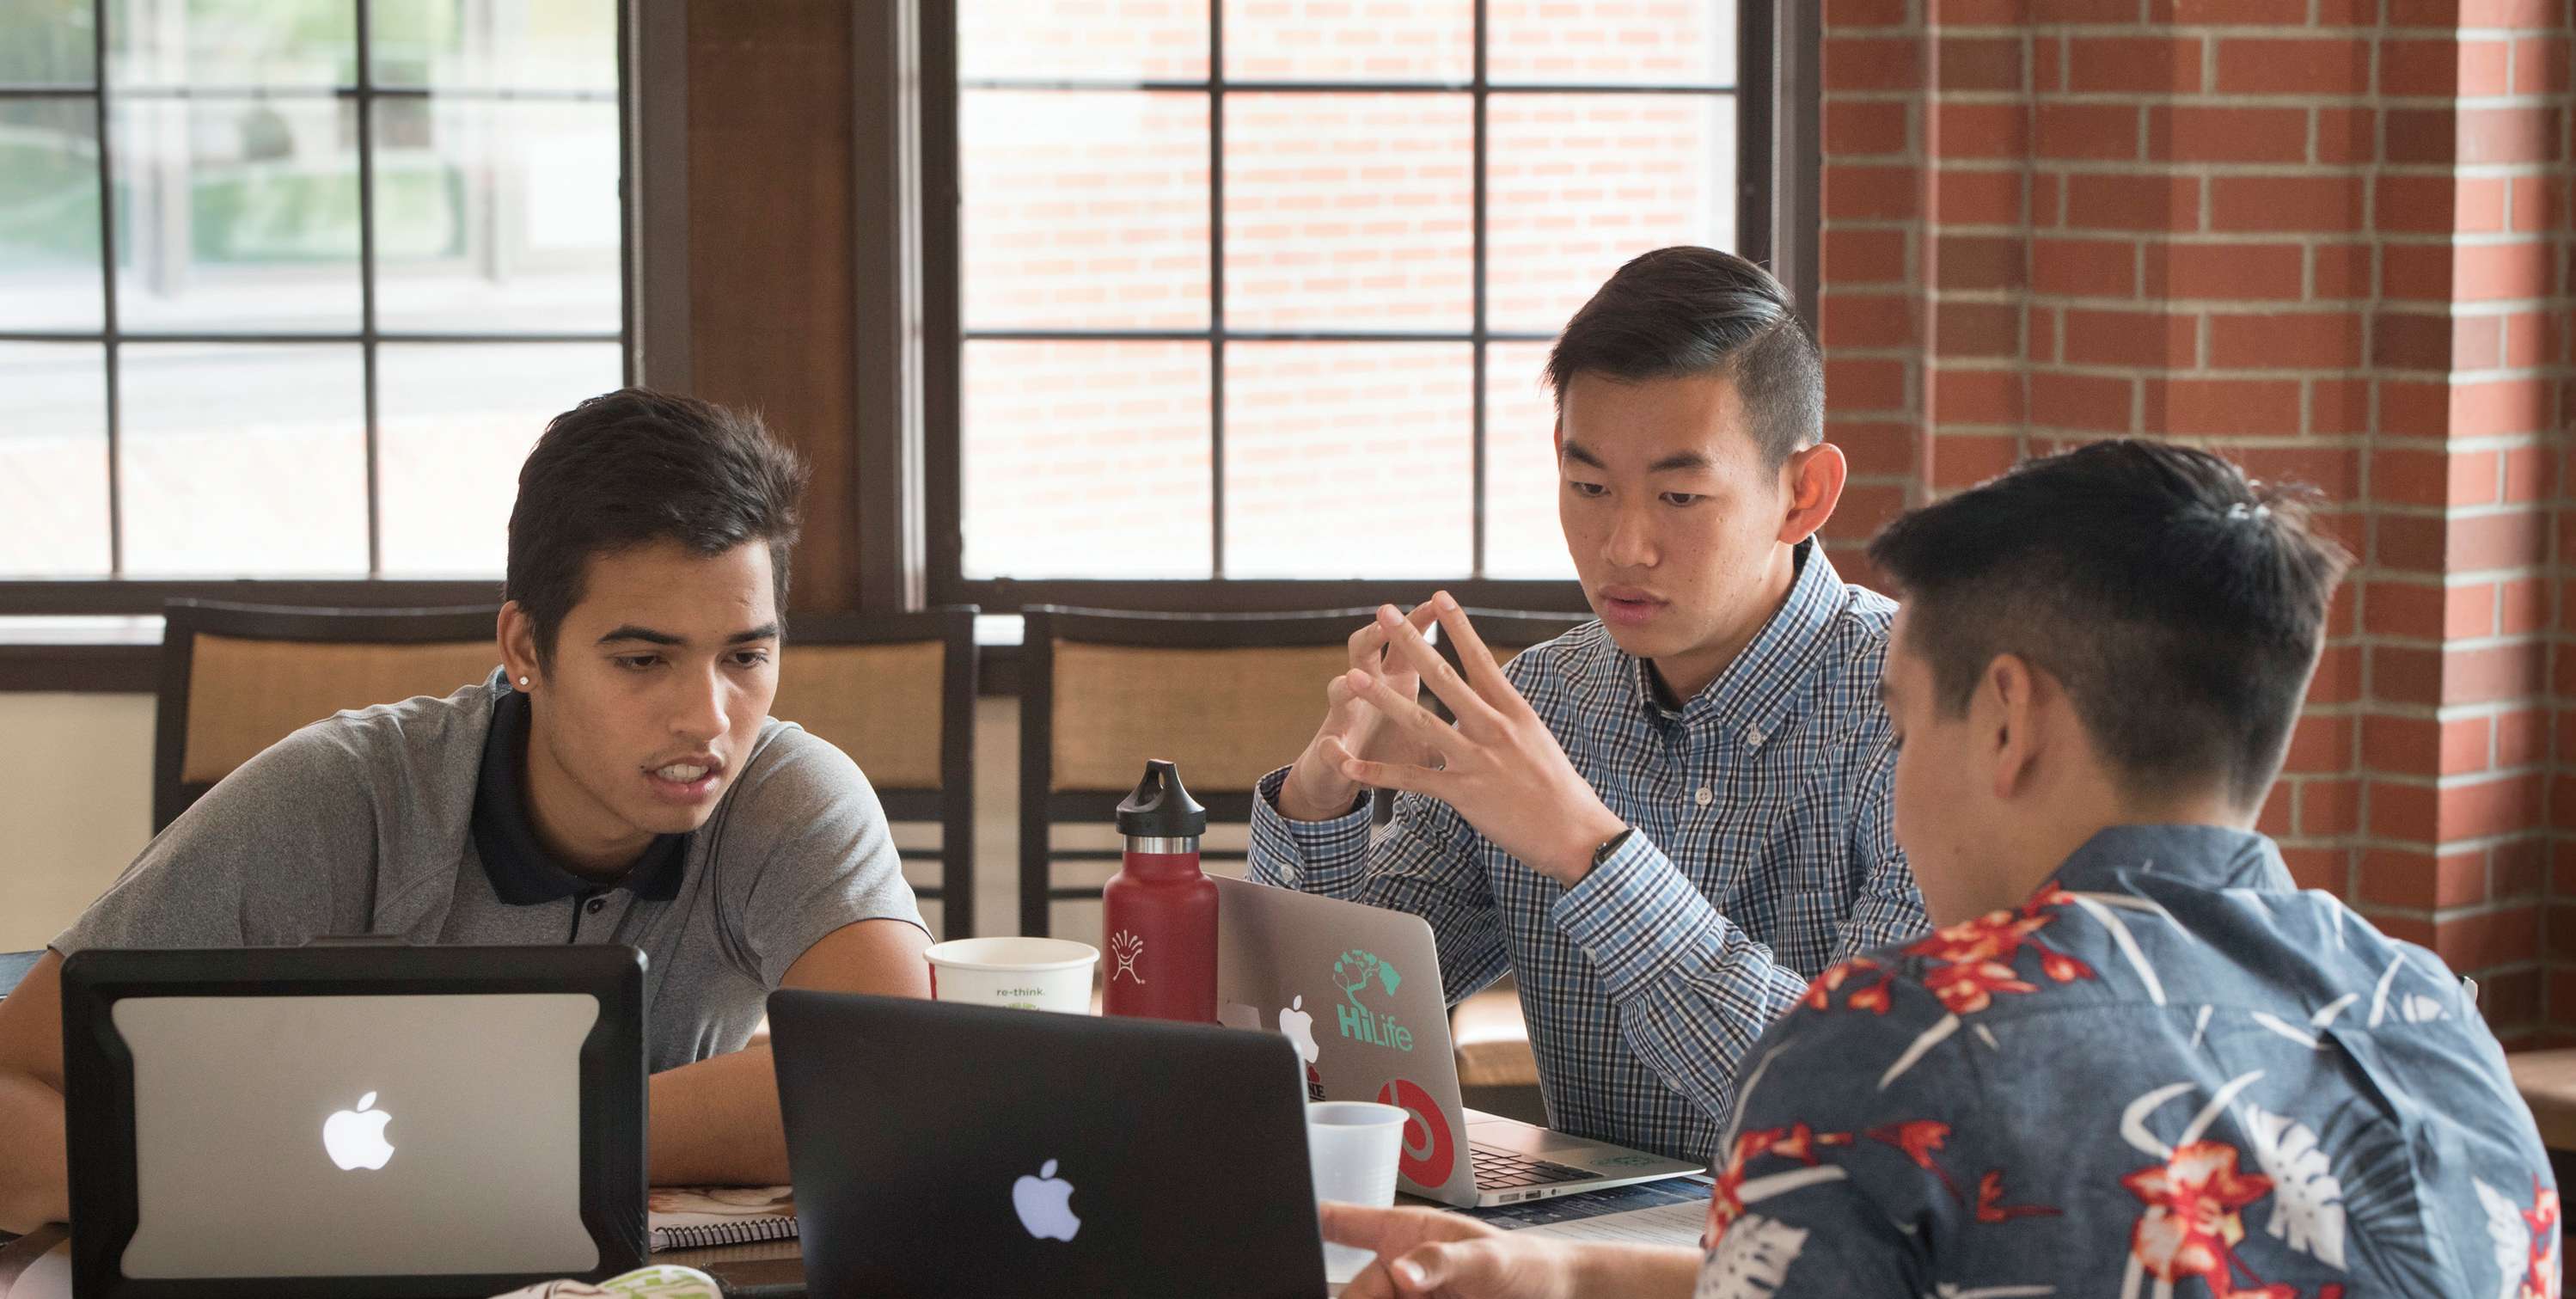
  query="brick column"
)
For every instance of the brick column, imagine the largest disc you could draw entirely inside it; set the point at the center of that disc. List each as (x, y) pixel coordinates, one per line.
(2326, 237)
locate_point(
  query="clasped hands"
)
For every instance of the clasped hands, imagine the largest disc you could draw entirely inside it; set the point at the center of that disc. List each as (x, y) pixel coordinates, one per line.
(1498, 766)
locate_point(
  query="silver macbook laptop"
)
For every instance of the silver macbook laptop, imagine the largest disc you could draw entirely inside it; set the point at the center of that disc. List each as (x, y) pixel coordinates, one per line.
(371, 1118)
(1357, 990)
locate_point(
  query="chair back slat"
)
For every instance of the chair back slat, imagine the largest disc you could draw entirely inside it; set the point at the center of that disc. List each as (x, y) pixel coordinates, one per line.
(1227, 716)
(880, 703)
(245, 695)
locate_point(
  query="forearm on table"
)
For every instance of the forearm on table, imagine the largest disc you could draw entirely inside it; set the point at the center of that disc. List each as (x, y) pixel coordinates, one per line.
(716, 1122)
(1636, 1271)
(35, 1178)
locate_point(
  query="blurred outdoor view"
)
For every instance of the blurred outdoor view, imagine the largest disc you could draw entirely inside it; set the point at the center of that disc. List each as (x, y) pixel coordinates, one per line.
(231, 198)
(210, 173)
(1349, 207)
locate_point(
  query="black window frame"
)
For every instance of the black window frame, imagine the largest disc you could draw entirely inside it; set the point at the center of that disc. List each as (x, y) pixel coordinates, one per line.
(1777, 120)
(118, 594)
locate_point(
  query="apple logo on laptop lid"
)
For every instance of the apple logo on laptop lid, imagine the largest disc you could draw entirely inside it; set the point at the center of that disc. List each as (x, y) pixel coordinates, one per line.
(1300, 1028)
(356, 1138)
(1045, 1205)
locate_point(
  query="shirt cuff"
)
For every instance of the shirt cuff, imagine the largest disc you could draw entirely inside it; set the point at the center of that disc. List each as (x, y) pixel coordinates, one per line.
(1637, 916)
(1314, 856)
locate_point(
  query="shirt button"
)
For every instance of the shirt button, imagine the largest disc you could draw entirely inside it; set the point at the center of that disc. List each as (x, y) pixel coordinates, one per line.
(595, 905)
(1705, 796)
(1753, 737)
(1288, 876)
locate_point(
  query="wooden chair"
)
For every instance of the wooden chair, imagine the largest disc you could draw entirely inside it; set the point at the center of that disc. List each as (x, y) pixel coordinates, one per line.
(897, 693)
(237, 678)
(1230, 697)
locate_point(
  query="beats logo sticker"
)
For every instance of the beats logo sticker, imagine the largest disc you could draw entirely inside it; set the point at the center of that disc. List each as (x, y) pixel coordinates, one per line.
(1430, 1155)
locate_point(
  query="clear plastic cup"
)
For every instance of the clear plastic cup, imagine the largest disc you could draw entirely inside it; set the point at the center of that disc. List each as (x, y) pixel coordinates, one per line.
(1353, 1146)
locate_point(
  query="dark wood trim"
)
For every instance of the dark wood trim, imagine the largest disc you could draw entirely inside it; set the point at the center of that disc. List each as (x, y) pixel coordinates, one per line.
(771, 281)
(1037, 771)
(92, 668)
(942, 309)
(129, 595)
(1240, 596)
(657, 230)
(1790, 106)
(1755, 20)
(886, 242)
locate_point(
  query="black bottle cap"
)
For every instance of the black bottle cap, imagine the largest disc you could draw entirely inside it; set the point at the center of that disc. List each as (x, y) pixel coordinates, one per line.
(1161, 808)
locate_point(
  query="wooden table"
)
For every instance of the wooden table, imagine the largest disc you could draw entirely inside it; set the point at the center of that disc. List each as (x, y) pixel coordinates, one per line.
(769, 1270)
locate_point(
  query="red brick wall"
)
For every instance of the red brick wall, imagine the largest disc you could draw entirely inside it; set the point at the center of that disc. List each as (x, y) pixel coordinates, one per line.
(2328, 237)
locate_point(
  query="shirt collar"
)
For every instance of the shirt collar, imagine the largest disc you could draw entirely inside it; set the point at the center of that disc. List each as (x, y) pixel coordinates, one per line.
(523, 872)
(1765, 685)
(2208, 856)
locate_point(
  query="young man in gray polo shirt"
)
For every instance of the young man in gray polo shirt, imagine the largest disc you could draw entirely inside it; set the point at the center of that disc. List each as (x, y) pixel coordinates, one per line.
(617, 780)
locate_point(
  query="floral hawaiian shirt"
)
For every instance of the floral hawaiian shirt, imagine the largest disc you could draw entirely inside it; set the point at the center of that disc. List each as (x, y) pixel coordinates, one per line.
(2168, 1074)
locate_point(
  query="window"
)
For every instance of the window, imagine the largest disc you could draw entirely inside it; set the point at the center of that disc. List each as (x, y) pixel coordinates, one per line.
(1261, 290)
(287, 287)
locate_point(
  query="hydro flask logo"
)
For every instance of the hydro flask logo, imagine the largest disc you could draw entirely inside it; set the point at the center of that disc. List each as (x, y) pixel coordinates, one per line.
(1356, 970)
(1128, 949)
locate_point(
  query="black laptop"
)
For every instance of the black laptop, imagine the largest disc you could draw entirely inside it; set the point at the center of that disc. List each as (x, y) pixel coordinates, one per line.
(941, 1149)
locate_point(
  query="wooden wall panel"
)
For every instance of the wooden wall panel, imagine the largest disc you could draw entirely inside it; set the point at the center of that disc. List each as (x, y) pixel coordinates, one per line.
(772, 302)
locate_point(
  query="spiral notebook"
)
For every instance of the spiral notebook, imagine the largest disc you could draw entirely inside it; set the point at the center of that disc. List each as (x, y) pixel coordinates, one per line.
(695, 1217)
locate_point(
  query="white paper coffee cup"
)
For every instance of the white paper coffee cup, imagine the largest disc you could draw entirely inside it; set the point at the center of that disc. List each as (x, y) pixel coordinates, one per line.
(1353, 1146)
(1033, 973)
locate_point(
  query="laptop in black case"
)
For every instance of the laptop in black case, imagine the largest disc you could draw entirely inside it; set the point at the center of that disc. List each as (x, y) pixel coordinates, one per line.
(371, 1118)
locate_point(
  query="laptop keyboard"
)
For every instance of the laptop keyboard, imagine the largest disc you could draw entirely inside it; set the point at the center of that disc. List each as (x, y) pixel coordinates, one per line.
(1501, 1170)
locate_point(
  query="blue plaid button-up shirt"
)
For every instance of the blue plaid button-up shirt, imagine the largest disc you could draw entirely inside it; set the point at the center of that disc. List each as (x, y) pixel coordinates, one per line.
(1765, 851)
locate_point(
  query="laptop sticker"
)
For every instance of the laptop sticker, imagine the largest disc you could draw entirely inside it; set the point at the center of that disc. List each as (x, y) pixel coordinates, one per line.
(1300, 1028)
(1354, 972)
(1429, 1154)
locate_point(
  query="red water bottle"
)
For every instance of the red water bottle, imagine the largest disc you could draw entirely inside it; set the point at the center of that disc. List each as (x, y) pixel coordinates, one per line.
(1158, 912)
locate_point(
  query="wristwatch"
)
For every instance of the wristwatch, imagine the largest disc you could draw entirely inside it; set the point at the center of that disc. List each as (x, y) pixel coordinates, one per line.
(1611, 845)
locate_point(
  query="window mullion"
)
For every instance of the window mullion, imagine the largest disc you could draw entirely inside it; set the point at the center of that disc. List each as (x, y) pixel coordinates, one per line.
(107, 289)
(367, 286)
(1216, 289)
(1476, 399)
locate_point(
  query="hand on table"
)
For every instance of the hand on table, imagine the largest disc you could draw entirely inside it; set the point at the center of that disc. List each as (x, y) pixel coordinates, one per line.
(1499, 766)
(1316, 789)
(1428, 1254)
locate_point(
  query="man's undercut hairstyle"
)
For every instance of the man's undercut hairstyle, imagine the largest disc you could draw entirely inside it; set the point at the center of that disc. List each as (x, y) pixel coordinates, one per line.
(1683, 311)
(2181, 605)
(633, 467)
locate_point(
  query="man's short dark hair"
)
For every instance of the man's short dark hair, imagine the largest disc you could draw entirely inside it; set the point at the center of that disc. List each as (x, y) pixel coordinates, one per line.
(2182, 605)
(636, 466)
(1685, 311)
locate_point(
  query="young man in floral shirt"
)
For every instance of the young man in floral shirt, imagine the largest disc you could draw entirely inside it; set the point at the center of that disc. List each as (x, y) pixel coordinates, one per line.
(2136, 1061)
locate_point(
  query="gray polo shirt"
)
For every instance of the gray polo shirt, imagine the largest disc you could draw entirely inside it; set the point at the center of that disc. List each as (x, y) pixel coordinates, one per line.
(366, 823)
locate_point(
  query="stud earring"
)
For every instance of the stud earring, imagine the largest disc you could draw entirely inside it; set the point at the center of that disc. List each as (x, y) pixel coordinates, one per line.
(523, 681)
